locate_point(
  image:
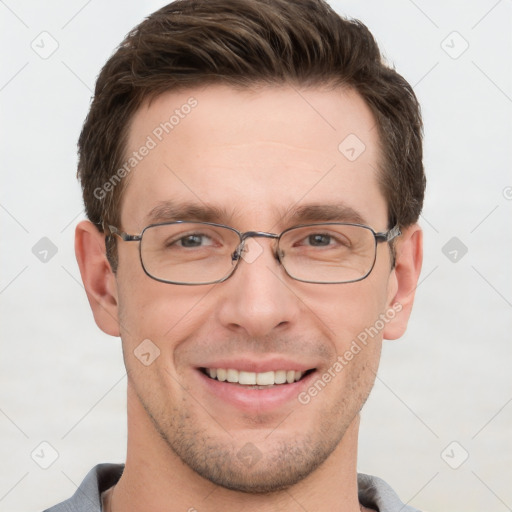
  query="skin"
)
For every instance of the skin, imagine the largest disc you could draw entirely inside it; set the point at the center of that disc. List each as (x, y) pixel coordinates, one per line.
(255, 154)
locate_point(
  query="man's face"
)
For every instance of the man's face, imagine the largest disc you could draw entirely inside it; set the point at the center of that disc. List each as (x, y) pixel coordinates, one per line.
(255, 158)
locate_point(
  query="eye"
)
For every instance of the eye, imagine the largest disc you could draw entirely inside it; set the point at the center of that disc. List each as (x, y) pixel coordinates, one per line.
(319, 240)
(332, 240)
(190, 240)
(194, 240)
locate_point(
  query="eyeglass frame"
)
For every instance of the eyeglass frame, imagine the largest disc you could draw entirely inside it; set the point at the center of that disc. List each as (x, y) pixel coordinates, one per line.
(381, 236)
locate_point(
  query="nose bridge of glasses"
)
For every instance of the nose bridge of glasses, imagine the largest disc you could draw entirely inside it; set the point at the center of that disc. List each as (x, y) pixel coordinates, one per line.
(257, 234)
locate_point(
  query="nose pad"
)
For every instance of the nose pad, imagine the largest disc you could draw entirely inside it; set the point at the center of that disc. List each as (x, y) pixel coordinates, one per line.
(237, 253)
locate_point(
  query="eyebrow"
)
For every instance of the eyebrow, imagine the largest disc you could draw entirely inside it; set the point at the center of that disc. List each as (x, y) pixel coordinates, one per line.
(337, 212)
(168, 211)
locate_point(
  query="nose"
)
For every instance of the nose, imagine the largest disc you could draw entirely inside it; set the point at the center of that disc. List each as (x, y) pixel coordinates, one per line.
(257, 299)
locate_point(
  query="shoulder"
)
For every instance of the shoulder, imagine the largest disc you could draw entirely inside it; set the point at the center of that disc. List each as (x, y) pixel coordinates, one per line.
(87, 497)
(376, 493)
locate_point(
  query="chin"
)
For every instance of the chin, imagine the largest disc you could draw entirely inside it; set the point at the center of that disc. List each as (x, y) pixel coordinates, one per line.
(254, 472)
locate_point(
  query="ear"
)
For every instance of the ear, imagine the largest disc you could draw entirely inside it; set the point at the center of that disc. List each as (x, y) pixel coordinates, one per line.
(404, 280)
(97, 276)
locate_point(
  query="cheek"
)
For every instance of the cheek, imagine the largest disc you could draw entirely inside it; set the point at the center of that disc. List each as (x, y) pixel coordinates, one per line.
(165, 314)
(347, 310)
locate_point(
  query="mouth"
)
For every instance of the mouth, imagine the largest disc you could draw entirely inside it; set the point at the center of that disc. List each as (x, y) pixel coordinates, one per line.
(255, 386)
(256, 380)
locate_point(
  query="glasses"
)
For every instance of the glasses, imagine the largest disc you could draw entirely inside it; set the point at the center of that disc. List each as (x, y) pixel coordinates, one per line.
(194, 253)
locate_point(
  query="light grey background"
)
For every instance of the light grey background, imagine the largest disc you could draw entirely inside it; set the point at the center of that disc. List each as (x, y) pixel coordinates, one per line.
(448, 379)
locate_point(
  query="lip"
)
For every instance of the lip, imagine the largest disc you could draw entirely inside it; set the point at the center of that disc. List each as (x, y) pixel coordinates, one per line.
(255, 401)
(269, 365)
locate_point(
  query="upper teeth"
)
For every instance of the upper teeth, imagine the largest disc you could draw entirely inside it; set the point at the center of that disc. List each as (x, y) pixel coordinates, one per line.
(252, 378)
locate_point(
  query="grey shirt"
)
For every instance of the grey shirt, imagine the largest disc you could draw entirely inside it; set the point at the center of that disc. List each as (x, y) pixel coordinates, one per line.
(373, 492)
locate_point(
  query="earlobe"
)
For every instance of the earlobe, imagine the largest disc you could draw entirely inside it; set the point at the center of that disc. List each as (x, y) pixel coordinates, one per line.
(404, 280)
(97, 276)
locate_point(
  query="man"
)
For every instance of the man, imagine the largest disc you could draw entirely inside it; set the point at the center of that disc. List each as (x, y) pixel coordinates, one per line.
(252, 172)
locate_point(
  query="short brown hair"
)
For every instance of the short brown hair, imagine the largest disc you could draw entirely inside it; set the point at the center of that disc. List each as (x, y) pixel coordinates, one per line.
(242, 43)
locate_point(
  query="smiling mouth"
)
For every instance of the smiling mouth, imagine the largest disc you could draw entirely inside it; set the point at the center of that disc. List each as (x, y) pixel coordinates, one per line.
(253, 380)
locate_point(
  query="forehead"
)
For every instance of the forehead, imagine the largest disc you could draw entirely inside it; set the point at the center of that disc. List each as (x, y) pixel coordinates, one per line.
(252, 155)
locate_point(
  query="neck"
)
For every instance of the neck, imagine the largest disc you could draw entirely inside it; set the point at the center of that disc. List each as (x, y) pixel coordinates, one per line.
(156, 479)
